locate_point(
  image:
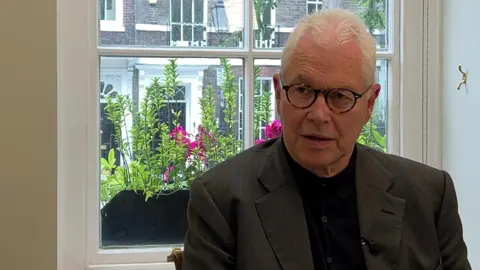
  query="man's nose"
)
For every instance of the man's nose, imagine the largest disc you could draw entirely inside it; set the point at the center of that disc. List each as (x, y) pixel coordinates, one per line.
(319, 111)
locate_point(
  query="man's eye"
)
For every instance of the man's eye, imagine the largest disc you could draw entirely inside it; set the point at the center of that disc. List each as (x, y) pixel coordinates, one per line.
(302, 90)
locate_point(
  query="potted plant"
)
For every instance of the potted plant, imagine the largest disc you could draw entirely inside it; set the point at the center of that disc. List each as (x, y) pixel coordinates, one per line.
(145, 197)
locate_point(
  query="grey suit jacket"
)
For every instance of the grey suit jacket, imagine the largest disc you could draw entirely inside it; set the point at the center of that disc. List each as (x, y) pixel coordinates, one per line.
(247, 214)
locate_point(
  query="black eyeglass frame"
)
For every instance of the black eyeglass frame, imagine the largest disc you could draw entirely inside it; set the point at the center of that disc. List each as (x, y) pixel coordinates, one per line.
(325, 93)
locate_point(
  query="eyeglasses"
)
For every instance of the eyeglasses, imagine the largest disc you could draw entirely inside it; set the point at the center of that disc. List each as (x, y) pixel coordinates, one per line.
(338, 100)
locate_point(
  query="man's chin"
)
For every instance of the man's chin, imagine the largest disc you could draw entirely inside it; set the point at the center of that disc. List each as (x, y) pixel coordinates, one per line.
(319, 160)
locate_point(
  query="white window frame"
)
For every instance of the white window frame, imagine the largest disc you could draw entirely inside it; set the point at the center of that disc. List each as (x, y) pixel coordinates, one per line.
(316, 3)
(78, 99)
(272, 89)
(183, 42)
(241, 100)
(117, 24)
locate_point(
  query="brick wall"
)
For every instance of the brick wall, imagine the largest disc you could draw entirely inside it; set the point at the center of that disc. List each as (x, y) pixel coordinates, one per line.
(128, 36)
(152, 14)
(288, 13)
(152, 38)
(351, 5)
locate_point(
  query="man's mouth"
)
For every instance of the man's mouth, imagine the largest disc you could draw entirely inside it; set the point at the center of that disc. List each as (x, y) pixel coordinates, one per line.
(317, 138)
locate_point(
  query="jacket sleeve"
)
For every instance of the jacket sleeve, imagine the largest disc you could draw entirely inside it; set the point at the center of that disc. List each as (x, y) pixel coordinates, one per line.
(449, 230)
(209, 243)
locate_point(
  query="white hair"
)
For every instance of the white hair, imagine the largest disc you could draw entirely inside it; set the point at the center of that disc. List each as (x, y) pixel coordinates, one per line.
(334, 27)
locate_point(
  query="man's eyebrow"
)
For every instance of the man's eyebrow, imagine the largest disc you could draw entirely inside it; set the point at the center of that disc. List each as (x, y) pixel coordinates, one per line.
(299, 79)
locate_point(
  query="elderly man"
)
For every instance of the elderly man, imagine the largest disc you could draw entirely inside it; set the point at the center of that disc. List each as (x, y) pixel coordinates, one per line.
(314, 199)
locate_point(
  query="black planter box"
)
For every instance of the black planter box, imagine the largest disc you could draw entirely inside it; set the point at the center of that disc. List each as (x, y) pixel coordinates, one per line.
(127, 220)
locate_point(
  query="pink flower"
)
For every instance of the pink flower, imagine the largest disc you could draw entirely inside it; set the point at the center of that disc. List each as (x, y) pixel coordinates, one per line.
(167, 173)
(191, 147)
(180, 135)
(274, 130)
(259, 141)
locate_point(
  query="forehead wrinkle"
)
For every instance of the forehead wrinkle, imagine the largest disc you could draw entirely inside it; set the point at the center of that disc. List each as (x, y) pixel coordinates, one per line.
(312, 64)
(309, 52)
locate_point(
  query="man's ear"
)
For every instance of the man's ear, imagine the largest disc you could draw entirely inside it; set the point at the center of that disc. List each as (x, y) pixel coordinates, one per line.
(373, 95)
(278, 90)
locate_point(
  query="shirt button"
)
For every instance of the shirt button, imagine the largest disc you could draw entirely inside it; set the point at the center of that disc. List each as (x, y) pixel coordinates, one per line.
(324, 219)
(329, 259)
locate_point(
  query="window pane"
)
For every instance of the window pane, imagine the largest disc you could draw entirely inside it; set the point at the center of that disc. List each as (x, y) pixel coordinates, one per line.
(264, 100)
(163, 123)
(184, 23)
(373, 134)
(110, 10)
(311, 8)
(273, 33)
(107, 10)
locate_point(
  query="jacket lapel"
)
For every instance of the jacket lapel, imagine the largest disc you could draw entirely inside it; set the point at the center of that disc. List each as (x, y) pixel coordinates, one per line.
(380, 213)
(281, 212)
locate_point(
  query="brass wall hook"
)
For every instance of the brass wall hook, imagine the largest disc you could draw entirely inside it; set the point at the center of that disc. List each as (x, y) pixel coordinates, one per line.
(464, 77)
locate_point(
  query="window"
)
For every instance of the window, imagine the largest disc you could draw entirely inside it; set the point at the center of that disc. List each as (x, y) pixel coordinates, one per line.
(177, 113)
(107, 132)
(111, 15)
(147, 115)
(263, 112)
(264, 24)
(107, 10)
(187, 24)
(264, 103)
(314, 6)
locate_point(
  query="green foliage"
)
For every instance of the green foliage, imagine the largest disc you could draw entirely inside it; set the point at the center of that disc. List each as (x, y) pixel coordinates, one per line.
(263, 7)
(161, 157)
(262, 105)
(371, 135)
(373, 13)
(153, 161)
(232, 40)
(208, 105)
(229, 141)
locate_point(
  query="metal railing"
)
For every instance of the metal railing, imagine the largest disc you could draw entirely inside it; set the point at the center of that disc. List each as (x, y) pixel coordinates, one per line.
(187, 34)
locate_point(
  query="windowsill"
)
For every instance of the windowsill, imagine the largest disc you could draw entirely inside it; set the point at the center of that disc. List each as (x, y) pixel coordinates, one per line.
(139, 266)
(111, 26)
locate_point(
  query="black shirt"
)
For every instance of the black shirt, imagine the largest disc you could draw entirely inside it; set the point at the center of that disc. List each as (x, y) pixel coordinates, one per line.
(332, 218)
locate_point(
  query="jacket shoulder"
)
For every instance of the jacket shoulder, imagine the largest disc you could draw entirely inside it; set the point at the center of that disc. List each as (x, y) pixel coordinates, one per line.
(234, 175)
(401, 166)
(419, 183)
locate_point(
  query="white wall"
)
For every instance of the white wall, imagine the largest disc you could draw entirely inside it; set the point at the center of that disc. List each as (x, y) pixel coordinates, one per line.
(461, 113)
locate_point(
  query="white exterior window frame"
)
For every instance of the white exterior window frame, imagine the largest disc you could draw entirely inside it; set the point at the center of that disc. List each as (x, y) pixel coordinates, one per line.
(316, 3)
(272, 88)
(78, 121)
(183, 42)
(117, 24)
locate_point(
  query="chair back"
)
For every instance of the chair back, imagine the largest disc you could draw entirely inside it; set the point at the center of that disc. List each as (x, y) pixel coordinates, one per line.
(176, 257)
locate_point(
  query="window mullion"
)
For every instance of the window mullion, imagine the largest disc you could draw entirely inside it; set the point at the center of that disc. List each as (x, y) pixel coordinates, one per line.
(248, 102)
(181, 20)
(248, 39)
